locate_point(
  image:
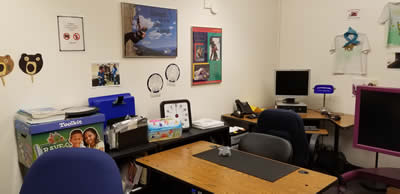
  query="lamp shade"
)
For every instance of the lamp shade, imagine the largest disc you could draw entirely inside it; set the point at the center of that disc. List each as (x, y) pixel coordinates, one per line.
(323, 89)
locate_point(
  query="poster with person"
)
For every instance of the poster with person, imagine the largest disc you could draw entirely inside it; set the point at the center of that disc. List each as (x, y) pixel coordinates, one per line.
(207, 55)
(149, 31)
(105, 74)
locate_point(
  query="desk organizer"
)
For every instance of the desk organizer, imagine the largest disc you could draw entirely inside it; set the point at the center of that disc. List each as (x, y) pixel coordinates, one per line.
(35, 139)
(128, 133)
(163, 129)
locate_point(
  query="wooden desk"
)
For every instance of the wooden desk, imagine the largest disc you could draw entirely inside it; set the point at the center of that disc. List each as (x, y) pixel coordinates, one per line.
(181, 164)
(346, 121)
(227, 117)
(193, 134)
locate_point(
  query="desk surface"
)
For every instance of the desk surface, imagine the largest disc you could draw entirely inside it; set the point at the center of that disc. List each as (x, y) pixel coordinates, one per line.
(345, 121)
(181, 164)
(132, 151)
(191, 135)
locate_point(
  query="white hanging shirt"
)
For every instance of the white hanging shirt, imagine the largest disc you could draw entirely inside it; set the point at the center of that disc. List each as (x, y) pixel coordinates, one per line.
(352, 61)
(391, 15)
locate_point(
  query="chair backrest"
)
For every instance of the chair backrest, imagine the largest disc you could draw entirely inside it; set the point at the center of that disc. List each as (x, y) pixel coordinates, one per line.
(288, 125)
(73, 170)
(266, 145)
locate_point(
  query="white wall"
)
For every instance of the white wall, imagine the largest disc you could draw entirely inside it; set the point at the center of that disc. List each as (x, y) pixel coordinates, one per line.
(250, 49)
(306, 34)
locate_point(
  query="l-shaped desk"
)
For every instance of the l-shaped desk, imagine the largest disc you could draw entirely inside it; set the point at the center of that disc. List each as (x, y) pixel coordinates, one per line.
(181, 164)
(345, 122)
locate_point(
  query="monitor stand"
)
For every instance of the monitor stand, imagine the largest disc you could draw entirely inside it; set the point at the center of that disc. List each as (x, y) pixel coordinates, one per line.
(290, 101)
(378, 178)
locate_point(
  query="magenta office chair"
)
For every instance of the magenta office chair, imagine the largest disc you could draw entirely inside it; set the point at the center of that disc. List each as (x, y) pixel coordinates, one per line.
(73, 170)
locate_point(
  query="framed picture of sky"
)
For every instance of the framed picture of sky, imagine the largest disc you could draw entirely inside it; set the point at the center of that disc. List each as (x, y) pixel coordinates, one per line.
(207, 55)
(149, 31)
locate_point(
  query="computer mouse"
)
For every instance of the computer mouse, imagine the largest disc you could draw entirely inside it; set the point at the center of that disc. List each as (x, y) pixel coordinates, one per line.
(252, 116)
(336, 117)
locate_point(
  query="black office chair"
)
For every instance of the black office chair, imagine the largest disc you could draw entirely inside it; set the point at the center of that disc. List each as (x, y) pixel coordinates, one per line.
(266, 145)
(288, 125)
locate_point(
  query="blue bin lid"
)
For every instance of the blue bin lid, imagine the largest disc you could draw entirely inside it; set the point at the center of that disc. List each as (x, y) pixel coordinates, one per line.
(110, 108)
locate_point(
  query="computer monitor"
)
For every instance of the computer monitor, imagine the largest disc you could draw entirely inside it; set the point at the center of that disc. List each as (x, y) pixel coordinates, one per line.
(377, 120)
(291, 83)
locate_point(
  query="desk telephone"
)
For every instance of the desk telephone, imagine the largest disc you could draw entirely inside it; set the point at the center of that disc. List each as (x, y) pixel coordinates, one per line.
(243, 108)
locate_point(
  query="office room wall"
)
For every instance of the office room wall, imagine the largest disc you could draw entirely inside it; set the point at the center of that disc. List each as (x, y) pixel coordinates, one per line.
(307, 30)
(250, 49)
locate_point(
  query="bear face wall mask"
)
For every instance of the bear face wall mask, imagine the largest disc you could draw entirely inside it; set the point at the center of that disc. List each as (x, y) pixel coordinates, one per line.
(6, 67)
(31, 64)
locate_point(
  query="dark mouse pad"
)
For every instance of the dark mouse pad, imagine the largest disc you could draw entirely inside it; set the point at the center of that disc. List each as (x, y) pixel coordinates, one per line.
(266, 169)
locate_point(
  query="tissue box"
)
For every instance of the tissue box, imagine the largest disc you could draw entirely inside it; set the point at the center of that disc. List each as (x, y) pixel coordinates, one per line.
(35, 139)
(163, 129)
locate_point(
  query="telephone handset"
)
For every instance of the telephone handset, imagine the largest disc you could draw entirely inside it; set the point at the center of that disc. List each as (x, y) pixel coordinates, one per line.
(243, 107)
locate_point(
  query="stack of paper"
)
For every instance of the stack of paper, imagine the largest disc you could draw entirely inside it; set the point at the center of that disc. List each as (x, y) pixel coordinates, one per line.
(207, 123)
(235, 129)
(40, 115)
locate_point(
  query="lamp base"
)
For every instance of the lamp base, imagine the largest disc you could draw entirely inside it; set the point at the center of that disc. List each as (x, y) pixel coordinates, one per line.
(323, 110)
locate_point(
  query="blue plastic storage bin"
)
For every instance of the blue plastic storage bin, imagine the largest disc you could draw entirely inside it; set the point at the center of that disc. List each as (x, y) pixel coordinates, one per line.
(114, 106)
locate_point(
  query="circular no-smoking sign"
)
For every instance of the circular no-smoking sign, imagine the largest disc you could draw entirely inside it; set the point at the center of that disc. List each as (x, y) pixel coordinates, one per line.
(77, 36)
(66, 36)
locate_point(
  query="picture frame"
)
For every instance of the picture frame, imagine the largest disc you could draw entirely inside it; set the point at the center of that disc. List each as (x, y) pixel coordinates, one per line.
(71, 35)
(207, 55)
(149, 31)
(105, 74)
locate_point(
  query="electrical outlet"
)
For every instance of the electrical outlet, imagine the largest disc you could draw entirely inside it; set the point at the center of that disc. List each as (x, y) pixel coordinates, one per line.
(373, 82)
(363, 82)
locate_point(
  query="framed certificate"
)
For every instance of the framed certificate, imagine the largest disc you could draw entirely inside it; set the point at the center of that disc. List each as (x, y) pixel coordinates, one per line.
(70, 33)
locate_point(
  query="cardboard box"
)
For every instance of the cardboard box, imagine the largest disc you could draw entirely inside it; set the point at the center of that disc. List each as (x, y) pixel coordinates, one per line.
(36, 139)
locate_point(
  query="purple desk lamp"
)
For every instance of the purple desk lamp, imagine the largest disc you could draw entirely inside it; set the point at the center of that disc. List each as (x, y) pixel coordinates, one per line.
(323, 89)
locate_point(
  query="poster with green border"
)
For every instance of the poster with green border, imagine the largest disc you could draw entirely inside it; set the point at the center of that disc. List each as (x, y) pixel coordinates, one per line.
(207, 55)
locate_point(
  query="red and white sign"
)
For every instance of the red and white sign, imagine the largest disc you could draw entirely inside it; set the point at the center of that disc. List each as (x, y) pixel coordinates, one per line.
(71, 36)
(66, 36)
(77, 36)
